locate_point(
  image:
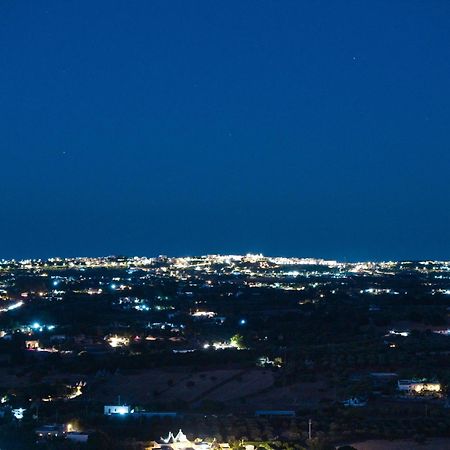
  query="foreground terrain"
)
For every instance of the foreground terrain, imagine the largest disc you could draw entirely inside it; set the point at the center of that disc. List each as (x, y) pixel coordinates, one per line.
(258, 345)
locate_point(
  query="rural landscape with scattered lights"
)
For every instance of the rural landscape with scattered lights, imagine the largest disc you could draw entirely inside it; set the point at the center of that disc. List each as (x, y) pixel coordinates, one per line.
(250, 350)
(224, 225)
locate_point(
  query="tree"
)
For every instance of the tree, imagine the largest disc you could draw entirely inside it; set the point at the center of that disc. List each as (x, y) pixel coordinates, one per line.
(99, 441)
(237, 341)
(319, 444)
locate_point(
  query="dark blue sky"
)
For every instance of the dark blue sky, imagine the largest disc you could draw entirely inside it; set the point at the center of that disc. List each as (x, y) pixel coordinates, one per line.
(310, 128)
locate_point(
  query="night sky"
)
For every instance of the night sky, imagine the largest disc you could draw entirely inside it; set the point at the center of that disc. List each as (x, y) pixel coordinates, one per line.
(306, 128)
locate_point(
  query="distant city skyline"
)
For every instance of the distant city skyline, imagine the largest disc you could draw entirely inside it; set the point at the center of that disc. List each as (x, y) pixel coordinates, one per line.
(295, 258)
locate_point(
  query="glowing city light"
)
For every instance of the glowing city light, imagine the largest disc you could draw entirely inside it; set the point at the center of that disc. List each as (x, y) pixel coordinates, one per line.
(18, 413)
(12, 307)
(118, 341)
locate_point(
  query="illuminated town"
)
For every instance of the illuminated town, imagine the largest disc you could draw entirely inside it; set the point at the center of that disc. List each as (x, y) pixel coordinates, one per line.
(224, 225)
(238, 351)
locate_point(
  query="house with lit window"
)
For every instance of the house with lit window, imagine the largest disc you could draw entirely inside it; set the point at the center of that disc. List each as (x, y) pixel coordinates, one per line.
(418, 386)
(117, 410)
(51, 431)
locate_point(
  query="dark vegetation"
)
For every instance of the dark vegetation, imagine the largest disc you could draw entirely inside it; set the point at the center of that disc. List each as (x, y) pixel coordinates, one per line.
(323, 328)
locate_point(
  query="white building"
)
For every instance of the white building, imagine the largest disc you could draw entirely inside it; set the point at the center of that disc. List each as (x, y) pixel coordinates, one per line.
(51, 431)
(121, 410)
(354, 402)
(181, 442)
(418, 386)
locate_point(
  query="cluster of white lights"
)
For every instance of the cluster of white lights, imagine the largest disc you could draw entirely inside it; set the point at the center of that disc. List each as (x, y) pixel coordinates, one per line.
(11, 307)
(118, 341)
